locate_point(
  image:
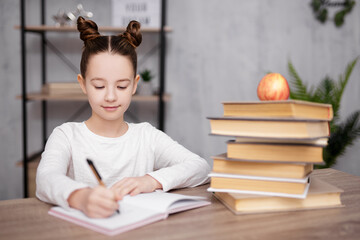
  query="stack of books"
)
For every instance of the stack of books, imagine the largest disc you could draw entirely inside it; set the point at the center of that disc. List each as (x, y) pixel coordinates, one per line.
(268, 164)
(62, 88)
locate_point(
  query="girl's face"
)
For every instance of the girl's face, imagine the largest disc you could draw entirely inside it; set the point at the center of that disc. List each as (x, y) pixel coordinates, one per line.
(109, 85)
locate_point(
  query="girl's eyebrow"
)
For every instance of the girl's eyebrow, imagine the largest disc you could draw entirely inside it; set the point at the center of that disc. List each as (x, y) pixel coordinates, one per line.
(122, 80)
(97, 79)
(101, 79)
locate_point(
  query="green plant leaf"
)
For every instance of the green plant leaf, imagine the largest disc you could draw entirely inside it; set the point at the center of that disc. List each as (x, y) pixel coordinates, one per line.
(330, 91)
(339, 18)
(146, 75)
(340, 87)
(298, 90)
(341, 139)
(322, 15)
(316, 4)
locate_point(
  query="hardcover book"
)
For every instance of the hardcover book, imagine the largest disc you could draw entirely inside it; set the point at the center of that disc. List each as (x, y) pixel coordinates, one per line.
(222, 164)
(270, 186)
(321, 195)
(62, 88)
(282, 108)
(269, 128)
(275, 151)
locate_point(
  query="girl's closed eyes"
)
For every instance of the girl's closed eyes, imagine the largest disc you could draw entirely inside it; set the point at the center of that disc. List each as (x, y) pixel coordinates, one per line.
(121, 84)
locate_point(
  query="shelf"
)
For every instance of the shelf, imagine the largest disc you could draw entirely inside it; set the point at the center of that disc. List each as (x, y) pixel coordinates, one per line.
(83, 97)
(31, 173)
(49, 28)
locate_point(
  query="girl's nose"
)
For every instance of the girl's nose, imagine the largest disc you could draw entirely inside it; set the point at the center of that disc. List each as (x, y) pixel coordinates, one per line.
(110, 95)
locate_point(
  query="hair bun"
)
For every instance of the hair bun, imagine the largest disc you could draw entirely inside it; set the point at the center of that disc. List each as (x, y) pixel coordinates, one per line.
(87, 28)
(133, 34)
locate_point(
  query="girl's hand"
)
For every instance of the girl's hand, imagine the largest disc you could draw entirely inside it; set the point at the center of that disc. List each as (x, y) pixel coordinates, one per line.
(135, 185)
(98, 202)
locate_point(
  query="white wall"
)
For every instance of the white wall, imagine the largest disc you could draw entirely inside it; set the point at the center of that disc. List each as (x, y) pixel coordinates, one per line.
(218, 51)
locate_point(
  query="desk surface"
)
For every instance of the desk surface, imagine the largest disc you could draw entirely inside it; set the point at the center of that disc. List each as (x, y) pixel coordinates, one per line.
(28, 219)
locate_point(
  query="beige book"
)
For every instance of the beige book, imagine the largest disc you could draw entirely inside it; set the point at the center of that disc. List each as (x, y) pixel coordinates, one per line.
(321, 195)
(62, 88)
(275, 151)
(222, 164)
(269, 128)
(287, 108)
(236, 183)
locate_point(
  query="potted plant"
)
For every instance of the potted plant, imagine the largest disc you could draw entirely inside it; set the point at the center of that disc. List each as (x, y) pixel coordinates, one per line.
(342, 134)
(145, 86)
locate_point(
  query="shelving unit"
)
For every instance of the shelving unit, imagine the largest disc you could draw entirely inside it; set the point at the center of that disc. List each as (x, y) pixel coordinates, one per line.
(161, 98)
(82, 97)
(74, 29)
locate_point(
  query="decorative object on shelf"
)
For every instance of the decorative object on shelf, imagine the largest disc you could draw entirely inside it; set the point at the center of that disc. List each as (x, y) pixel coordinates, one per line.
(320, 9)
(147, 12)
(343, 134)
(62, 88)
(145, 86)
(63, 18)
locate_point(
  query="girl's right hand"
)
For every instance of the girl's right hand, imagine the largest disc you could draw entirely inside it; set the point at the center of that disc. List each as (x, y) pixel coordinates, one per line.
(98, 202)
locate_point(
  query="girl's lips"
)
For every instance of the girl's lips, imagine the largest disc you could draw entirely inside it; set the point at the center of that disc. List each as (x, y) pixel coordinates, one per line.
(111, 108)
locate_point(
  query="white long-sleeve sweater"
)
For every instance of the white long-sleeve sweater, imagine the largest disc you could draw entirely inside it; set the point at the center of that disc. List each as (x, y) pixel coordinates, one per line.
(141, 150)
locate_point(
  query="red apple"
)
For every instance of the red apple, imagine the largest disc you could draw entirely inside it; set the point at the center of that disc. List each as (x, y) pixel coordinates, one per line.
(273, 86)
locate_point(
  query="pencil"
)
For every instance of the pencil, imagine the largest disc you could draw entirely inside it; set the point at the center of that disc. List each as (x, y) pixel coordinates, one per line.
(97, 175)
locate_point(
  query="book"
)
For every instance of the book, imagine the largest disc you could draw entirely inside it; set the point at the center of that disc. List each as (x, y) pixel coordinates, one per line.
(276, 151)
(271, 186)
(222, 164)
(135, 212)
(62, 88)
(269, 128)
(282, 108)
(316, 141)
(321, 195)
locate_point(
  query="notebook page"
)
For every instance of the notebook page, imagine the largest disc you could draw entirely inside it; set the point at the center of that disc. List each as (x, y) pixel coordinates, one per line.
(129, 215)
(159, 201)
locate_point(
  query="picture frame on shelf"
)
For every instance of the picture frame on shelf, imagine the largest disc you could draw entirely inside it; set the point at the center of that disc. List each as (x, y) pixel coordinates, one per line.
(147, 12)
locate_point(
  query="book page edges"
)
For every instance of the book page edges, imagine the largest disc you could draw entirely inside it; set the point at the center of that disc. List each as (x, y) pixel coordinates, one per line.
(274, 179)
(223, 156)
(106, 231)
(274, 194)
(275, 210)
(291, 101)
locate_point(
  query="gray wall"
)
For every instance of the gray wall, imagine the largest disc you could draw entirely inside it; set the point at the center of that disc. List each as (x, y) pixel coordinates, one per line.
(218, 51)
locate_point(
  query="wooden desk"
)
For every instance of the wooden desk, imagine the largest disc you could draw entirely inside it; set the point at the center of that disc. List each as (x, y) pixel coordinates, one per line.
(28, 219)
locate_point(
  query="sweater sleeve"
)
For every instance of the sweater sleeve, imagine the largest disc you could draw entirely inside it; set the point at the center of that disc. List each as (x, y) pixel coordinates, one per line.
(52, 183)
(176, 166)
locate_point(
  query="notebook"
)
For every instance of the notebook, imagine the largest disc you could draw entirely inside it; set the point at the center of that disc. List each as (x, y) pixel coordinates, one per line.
(135, 212)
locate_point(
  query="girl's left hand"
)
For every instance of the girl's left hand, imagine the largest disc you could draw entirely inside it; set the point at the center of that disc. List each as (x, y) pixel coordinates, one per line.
(135, 185)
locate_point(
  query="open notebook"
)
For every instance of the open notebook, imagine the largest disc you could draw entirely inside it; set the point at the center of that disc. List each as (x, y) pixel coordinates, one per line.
(135, 212)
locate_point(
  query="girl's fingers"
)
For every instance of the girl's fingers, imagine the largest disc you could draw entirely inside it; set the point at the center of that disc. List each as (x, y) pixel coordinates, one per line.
(136, 191)
(124, 182)
(135, 185)
(99, 212)
(119, 183)
(104, 198)
(125, 189)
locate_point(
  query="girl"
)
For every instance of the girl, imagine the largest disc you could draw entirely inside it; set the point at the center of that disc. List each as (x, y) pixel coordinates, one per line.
(132, 158)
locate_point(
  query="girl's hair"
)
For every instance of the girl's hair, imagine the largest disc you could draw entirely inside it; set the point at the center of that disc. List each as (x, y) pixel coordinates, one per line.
(94, 43)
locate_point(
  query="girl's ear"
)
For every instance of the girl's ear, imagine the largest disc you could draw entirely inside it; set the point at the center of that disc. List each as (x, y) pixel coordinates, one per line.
(136, 81)
(81, 81)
